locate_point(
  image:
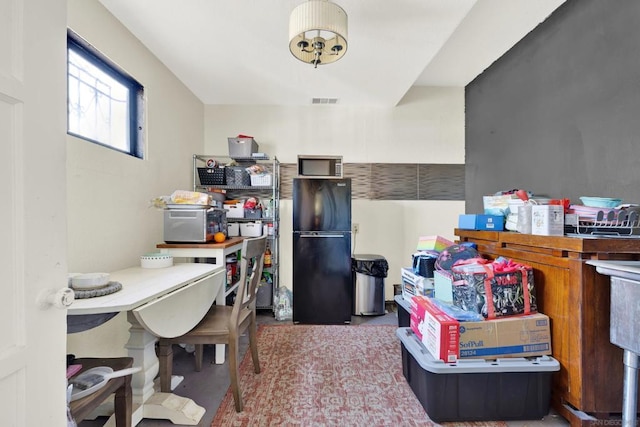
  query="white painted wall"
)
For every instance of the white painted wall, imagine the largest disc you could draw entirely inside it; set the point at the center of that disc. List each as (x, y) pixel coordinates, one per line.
(426, 127)
(110, 223)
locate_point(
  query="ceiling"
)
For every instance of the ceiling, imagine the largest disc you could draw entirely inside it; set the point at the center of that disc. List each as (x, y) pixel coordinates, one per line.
(235, 52)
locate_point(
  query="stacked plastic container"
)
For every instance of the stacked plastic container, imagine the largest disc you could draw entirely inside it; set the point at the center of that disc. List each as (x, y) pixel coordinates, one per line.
(482, 384)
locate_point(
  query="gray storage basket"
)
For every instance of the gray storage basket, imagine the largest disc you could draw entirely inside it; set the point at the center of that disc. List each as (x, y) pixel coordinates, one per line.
(237, 176)
(253, 213)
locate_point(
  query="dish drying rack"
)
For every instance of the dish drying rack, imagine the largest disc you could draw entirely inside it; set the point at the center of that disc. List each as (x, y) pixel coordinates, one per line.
(611, 223)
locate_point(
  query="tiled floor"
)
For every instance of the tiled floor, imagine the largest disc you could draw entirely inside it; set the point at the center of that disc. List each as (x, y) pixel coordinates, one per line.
(210, 393)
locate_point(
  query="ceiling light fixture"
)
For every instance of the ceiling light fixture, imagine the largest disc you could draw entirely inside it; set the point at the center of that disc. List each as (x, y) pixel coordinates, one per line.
(318, 32)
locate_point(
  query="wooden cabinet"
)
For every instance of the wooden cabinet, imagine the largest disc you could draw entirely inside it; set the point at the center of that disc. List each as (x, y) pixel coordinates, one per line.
(577, 299)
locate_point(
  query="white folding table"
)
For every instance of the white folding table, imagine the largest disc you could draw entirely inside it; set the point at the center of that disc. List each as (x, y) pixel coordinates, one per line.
(160, 302)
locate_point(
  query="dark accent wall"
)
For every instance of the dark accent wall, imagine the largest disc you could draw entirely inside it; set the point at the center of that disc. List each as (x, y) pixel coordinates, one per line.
(393, 181)
(559, 114)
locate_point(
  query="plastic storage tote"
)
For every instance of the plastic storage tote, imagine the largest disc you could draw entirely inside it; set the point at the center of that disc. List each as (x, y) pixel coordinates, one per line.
(477, 389)
(403, 307)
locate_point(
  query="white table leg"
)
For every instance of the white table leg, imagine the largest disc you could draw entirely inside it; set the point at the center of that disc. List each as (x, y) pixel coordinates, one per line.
(221, 299)
(147, 403)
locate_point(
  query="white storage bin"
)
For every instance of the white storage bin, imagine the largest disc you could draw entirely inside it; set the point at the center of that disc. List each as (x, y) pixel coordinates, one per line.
(235, 211)
(251, 229)
(261, 180)
(233, 229)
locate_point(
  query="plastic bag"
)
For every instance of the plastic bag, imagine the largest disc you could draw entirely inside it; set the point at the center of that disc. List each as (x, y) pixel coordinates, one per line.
(375, 267)
(284, 304)
(190, 197)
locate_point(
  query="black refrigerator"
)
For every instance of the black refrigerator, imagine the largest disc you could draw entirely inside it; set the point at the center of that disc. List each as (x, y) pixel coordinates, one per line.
(322, 288)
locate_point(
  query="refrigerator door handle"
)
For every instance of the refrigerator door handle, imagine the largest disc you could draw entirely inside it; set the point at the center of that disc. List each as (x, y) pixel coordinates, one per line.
(315, 236)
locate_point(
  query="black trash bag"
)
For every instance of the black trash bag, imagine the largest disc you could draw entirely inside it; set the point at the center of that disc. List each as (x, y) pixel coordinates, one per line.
(371, 267)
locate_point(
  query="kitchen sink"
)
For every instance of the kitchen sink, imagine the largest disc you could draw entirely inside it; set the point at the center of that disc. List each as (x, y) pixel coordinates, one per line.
(627, 269)
(624, 329)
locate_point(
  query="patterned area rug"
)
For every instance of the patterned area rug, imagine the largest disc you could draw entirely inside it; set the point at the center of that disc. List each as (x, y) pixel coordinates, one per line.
(335, 375)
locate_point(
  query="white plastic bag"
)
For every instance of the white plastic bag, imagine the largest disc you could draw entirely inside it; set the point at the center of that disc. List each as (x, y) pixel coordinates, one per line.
(284, 304)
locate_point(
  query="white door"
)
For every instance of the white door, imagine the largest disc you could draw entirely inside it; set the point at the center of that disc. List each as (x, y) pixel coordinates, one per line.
(32, 211)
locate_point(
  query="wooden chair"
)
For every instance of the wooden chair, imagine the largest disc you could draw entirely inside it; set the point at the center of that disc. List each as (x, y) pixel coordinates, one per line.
(225, 324)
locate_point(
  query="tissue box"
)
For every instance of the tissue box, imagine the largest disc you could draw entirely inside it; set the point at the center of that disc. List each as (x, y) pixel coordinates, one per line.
(435, 329)
(433, 243)
(547, 220)
(481, 222)
(497, 205)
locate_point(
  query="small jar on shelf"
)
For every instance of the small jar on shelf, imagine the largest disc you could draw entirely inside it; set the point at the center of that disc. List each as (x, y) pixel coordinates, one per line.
(267, 258)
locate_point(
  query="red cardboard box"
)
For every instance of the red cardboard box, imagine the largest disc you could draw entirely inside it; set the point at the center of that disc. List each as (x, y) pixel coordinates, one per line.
(436, 329)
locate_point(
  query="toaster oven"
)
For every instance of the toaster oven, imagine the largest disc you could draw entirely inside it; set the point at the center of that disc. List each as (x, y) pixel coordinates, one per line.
(193, 225)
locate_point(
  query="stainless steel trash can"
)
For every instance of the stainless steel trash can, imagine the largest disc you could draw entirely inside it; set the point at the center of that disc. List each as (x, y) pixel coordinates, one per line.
(369, 273)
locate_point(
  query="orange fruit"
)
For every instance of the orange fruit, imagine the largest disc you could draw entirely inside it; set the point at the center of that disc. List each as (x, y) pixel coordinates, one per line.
(219, 237)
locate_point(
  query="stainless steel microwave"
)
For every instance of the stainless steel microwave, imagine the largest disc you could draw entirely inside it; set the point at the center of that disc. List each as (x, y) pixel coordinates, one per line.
(193, 225)
(310, 166)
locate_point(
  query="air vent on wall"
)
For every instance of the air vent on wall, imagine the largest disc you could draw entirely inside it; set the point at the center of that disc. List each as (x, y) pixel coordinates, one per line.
(324, 101)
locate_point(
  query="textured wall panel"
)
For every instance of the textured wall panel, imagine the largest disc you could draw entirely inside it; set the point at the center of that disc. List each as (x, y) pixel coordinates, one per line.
(288, 171)
(360, 174)
(441, 182)
(393, 181)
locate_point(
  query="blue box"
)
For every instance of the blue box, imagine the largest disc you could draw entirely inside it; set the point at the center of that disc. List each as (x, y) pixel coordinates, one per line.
(481, 222)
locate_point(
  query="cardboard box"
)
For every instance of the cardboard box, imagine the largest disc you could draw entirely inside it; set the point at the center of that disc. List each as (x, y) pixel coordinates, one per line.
(413, 284)
(436, 329)
(497, 205)
(481, 222)
(547, 220)
(443, 285)
(514, 336)
(448, 339)
(433, 243)
(477, 390)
